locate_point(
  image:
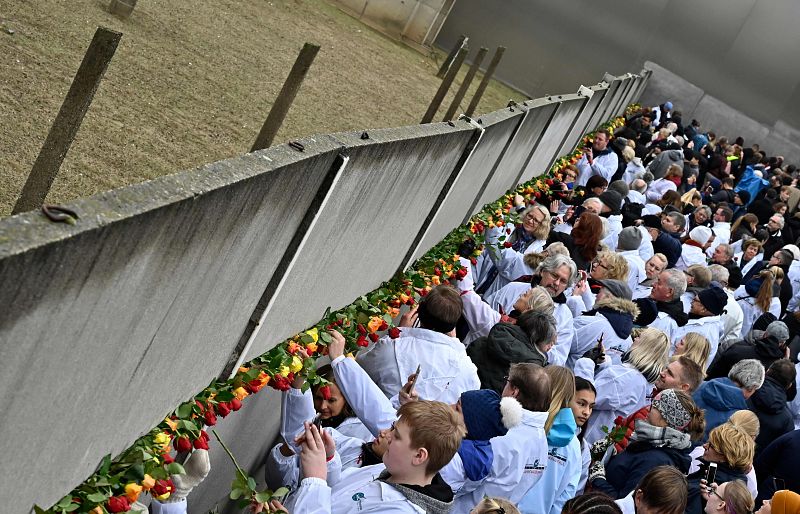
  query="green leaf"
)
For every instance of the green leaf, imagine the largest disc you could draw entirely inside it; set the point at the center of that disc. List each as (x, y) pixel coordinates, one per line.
(38, 510)
(72, 507)
(280, 492)
(97, 497)
(325, 336)
(185, 424)
(235, 494)
(64, 502)
(225, 396)
(251, 483)
(175, 468)
(135, 472)
(104, 465)
(306, 338)
(185, 410)
(263, 496)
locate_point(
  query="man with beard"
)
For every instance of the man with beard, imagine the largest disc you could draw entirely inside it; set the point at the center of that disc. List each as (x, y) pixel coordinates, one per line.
(666, 296)
(555, 274)
(598, 159)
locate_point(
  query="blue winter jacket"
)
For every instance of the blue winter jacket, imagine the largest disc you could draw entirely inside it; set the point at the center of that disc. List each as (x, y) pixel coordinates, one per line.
(719, 398)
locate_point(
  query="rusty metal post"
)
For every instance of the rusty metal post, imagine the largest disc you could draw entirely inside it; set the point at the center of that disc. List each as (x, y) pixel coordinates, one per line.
(462, 41)
(68, 121)
(462, 90)
(445, 85)
(285, 98)
(122, 8)
(473, 104)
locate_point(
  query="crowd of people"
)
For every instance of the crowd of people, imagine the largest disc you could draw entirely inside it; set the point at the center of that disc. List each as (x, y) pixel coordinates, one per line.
(630, 345)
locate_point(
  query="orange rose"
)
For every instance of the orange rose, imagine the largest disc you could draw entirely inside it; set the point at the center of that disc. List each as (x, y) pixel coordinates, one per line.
(132, 491)
(374, 323)
(148, 482)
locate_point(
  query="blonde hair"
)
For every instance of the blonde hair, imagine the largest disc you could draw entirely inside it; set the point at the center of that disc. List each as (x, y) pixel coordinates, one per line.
(495, 506)
(738, 499)
(650, 353)
(617, 265)
(747, 421)
(533, 259)
(769, 277)
(734, 444)
(542, 230)
(697, 348)
(700, 274)
(562, 383)
(541, 301)
(434, 426)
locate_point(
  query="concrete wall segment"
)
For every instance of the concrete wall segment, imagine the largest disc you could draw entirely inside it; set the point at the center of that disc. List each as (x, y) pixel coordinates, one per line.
(372, 214)
(553, 137)
(119, 318)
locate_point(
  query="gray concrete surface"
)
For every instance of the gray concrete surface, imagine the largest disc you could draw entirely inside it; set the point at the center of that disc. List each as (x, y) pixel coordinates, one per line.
(580, 127)
(739, 52)
(499, 127)
(553, 137)
(778, 138)
(370, 217)
(109, 324)
(512, 162)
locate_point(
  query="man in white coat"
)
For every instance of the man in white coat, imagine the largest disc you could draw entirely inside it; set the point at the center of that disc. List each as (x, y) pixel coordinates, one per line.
(721, 228)
(447, 371)
(705, 318)
(666, 293)
(597, 159)
(733, 317)
(630, 239)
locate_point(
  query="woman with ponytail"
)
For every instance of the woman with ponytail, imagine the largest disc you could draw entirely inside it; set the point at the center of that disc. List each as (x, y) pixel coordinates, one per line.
(562, 474)
(663, 439)
(760, 295)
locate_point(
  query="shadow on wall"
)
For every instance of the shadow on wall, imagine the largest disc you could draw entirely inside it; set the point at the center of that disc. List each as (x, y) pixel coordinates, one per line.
(717, 116)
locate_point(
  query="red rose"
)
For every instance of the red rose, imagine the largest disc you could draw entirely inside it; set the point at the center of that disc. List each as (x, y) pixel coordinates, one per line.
(182, 444)
(210, 418)
(162, 487)
(410, 301)
(167, 458)
(383, 326)
(473, 260)
(118, 504)
(373, 337)
(423, 293)
(325, 391)
(236, 404)
(254, 386)
(200, 444)
(394, 332)
(204, 436)
(202, 407)
(223, 409)
(507, 244)
(361, 330)
(362, 341)
(437, 272)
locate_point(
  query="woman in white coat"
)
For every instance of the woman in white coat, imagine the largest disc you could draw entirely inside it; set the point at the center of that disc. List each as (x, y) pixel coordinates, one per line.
(622, 389)
(750, 255)
(497, 267)
(758, 296)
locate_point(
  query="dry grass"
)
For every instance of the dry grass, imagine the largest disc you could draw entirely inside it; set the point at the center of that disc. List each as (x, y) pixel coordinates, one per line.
(192, 82)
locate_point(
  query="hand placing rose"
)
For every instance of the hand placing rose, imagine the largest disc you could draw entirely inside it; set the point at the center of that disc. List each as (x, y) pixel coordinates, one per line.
(409, 318)
(312, 456)
(337, 344)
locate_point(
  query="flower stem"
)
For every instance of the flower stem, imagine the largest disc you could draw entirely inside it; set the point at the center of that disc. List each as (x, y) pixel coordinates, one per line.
(224, 447)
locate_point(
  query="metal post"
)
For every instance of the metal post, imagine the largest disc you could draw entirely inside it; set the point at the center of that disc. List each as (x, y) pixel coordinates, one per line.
(462, 91)
(122, 8)
(285, 97)
(462, 41)
(445, 85)
(473, 104)
(68, 121)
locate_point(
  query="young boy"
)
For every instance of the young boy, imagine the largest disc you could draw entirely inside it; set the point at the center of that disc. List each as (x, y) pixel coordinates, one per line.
(425, 437)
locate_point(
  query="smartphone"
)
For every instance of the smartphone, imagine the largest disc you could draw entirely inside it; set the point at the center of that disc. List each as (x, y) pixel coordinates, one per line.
(600, 341)
(318, 422)
(711, 473)
(414, 380)
(779, 483)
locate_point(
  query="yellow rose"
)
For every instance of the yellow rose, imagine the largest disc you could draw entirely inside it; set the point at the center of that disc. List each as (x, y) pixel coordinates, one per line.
(312, 348)
(240, 393)
(161, 439)
(132, 491)
(148, 482)
(296, 365)
(314, 333)
(284, 371)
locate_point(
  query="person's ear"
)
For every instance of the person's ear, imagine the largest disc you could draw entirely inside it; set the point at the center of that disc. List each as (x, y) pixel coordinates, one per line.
(421, 457)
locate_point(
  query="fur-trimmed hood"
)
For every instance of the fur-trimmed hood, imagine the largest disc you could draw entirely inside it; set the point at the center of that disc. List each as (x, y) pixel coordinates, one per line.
(618, 304)
(619, 312)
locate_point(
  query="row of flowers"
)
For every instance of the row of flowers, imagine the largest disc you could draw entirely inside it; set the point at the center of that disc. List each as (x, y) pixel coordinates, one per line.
(148, 464)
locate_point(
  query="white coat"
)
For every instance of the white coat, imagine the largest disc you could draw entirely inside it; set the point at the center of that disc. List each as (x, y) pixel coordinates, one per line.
(646, 248)
(509, 294)
(614, 228)
(357, 491)
(659, 188)
(281, 470)
(588, 330)
(519, 461)
(794, 279)
(621, 391)
(447, 371)
(666, 324)
(722, 234)
(636, 271)
(603, 165)
(627, 505)
(510, 264)
(690, 255)
(752, 262)
(709, 327)
(732, 321)
(751, 311)
(559, 482)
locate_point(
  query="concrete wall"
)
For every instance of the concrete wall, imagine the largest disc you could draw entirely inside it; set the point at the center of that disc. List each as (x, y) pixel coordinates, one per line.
(740, 52)
(107, 325)
(714, 114)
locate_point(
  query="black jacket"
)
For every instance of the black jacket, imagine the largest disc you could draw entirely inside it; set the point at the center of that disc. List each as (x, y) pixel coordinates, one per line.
(625, 470)
(765, 350)
(775, 462)
(769, 404)
(670, 246)
(734, 274)
(493, 354)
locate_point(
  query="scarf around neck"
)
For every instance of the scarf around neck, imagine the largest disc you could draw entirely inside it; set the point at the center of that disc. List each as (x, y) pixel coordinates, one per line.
(661, 437)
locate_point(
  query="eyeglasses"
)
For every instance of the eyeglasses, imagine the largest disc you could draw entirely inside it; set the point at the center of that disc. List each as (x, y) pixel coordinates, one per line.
(556, 278)
(599, 264)
(530, 217)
